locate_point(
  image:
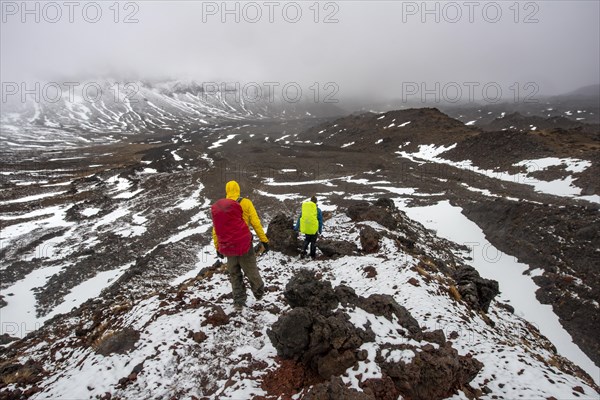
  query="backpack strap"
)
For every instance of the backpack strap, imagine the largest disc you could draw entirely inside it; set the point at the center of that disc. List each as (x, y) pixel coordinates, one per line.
(239, 200)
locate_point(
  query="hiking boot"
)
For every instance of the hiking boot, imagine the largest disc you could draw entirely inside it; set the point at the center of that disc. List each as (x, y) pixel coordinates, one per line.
(259, 296)
(238, 307)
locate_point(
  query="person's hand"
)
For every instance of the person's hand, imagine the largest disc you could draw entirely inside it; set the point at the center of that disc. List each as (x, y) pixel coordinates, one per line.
(266, 246)
(219, 255)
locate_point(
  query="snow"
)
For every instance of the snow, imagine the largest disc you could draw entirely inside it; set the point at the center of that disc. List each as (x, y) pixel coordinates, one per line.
(32, 214)
(137, 229)
(55, 219)
(379, 141)
(491, 263)
(405, 356)
(31, 198)
(560, 187)
(402, 125)
(280, 197)
(271, 182)
(192, 201)
(176, 156)
(571, 164)
(90, 211)
(174, 363)
(347, 145)
(19, 316)
(536, 272)
(220, 142)
(471, 122)
(128, 195)
(87, 290)
(111, 217)
(427, 152)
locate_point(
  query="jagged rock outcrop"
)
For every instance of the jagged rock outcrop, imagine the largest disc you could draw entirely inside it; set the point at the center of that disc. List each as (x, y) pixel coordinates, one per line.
(385, 305)
(369, 239)
(119, 342)
(336, 248)
(328, 343)
(478, 292)
(282, 236)
(304, 290)
(433, 373)
(335, 389)
(324, 341)
(379, 212)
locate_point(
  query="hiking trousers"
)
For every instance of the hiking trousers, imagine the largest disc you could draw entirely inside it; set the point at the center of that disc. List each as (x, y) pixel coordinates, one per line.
(238, 266)
(312, 241)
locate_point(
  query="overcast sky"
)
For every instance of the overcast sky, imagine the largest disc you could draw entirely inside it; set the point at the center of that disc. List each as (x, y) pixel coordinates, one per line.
(374, 48)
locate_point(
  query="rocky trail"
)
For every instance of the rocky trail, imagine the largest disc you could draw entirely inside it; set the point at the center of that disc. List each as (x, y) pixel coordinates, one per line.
(108, 277)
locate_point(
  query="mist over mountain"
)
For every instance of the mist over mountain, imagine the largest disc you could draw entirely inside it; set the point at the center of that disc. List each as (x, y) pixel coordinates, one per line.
(452, 148)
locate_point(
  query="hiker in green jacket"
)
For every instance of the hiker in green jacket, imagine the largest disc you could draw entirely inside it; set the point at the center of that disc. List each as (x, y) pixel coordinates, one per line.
(310, 223)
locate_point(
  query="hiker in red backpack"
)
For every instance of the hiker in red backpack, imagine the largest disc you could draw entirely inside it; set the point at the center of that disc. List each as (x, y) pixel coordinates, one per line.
(310, 223)
(232, 218)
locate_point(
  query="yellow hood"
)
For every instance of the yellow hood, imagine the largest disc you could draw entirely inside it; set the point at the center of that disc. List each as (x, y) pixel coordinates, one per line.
(233, 190)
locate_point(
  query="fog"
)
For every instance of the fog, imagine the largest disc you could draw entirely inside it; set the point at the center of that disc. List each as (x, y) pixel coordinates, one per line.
(368, 49)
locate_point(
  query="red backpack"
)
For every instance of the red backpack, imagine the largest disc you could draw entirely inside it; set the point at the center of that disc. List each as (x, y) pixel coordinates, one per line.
(233, 235)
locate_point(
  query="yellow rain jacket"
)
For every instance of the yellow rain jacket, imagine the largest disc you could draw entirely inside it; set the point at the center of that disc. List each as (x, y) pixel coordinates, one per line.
(232, 190)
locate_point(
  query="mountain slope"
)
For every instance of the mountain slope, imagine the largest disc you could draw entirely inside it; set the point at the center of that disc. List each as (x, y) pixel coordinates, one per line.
(106, 229)
(186, 342)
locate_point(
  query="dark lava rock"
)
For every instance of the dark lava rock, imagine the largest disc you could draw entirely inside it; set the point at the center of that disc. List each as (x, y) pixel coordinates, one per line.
(335, 389)
(432, 373)
(282, 236)
(475, 290)
(216, 318)
(346, 295)
(305, 290)
(6, 339)
(385, 305)
(386, 203)
(336, 248)
(327, 345)
(119, 342)
(290, 334)
(370, 271)
(380, 389)
(199, 337)
(436, 336)
(364, 211)
(369, 239)
(334, 343)
(8, 368)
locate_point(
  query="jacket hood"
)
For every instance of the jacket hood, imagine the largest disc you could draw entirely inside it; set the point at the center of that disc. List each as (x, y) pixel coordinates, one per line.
(232, 189)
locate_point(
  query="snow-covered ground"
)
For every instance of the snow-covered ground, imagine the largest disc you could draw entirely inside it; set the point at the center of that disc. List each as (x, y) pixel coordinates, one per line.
(559, 187)
(515, 287)
(515, 359)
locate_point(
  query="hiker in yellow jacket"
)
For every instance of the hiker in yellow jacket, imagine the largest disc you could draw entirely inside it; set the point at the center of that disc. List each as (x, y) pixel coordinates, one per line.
(246, 262)
(310, 223)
